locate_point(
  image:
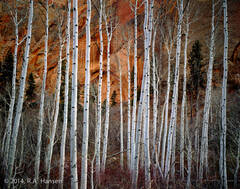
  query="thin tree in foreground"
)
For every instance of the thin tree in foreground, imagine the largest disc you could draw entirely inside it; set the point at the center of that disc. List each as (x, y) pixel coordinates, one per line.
(73, 132)
(65, 111)
(222, 160)
(207, 103)
(99, 103)
(57, 101)
(86, 101)
(12, 147)
(41, 111)
(129, 109)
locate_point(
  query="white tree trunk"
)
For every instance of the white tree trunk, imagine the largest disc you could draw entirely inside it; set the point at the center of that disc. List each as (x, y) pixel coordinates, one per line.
(105, 136)
(183, 100)
(207, 103)
(41, 111)
(222, 161)
(169, 50)
(147, 43)
(129, 111)
(134, 109)
(8, 132)
(12, 147)
(160, 131)
(121, 117)
(65, 111)
(86, 101)
(57, 101)
(173, 118)
(73, 133)
(99, 107)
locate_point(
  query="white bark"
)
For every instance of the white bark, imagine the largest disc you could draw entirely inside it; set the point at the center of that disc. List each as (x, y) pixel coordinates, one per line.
(183, 100)
(65, 111)
(86, 101)
(169, 50)
(147, 43)
(222, 161)
(57, 101)
(129, 111)
(99, 107)
(105, 137)
(12, 147)
(121, 117)
(160, 131)
(8, 132)
(173, 118)
(207, 103)
(73, 133)
(134, 109)
(41, 111)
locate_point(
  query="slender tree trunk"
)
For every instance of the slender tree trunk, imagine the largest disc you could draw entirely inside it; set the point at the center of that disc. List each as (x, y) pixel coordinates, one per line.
(207, 103)
(105, 137)
(129, 111)
(160, 130)
(73, 133)
(134, 110)
(13, 95)
(86, 101)
(222, 161)
(189, 151)
(99, 107)
(65, 111)
(183, 101)
(12, 147)
(121, 118)
(147, 43)
(237, 163)
(22, 144)
(57, 101)
(41, 111)
(166, 108)
(173, 118)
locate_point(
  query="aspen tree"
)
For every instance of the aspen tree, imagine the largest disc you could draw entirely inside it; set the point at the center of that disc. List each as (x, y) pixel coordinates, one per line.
(172, 125)
(86, 101)
(105, 136)
(73, 132)
(237, 162)
(41, 111)
(99, 106)
(222, 160)
(147, 43)
(7, 134)
(129, 109)
(12, 147)
(184, 98)
(134, 108)
(207, 103)
(65, 111)
(57, 101)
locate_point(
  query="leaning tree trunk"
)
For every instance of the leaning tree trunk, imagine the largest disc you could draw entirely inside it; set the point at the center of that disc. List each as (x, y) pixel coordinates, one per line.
(57, 101)
(41, 111)
(105, 136)
(12, 147)
(65, 111)
(222, 161)
(134, 109)
(86, 101)
(237, 162)
(207, 103)
(8, 132)
(73, 133)
(183, 101)
(173, 118)
(99, 106)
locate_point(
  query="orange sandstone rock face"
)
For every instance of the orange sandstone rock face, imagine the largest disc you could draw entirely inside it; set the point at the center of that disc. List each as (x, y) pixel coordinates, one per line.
(36, 62)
